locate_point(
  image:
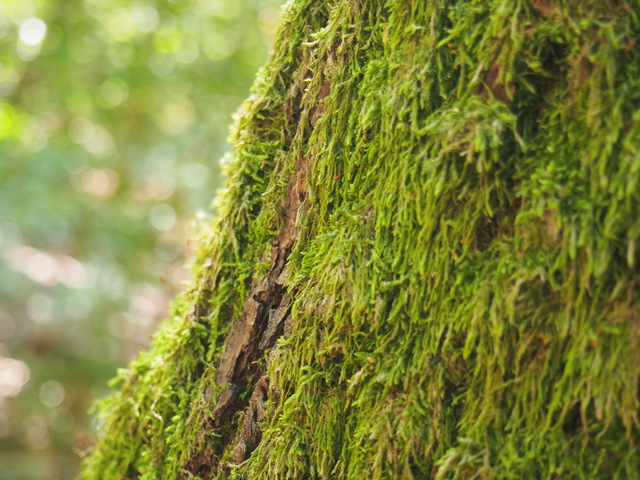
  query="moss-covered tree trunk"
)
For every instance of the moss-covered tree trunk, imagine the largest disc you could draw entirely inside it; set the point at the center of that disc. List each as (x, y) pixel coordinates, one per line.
(425, 262)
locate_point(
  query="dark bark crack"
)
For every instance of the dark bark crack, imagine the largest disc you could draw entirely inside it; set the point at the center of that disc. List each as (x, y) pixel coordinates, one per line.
(251, 433)
(262, 322)
(264, 318)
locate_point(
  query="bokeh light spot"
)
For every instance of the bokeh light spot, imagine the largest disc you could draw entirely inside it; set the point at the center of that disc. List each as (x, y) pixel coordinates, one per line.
(148, 302)
(101, 143)
(160, 186)
(37, 265)
(145, 18)
(14, 374)
(39, 307)
(188, 51)
(221, 8)
(177, 115)
(75, 274)
(32, 31)
(161, 64)
(120, 24)
(81, 130)
(52, 393)
(113, 92)
(268, 20)
(162, 217)
(219, 46)
(194, 175)
(37, 432)
(167, 248)
(102, 183)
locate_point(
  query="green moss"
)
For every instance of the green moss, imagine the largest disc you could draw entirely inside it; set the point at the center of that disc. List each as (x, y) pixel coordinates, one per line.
(465, 282)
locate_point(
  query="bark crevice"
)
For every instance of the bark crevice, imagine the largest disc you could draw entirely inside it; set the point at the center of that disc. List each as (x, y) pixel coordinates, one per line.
(261, 323)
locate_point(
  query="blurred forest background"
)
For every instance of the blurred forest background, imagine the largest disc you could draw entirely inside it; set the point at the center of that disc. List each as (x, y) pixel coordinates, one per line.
(113, 120)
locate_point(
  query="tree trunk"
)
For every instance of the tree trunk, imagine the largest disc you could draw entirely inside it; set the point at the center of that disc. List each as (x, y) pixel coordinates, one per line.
(425, 260)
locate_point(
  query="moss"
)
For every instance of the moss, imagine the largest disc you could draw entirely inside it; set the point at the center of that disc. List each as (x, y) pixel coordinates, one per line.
(464, 283)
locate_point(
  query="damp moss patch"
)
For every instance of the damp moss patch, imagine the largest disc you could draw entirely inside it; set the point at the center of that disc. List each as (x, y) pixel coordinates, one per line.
(462, 285)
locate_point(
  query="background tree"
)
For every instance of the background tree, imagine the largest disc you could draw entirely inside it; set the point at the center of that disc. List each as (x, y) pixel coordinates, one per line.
(425, 261)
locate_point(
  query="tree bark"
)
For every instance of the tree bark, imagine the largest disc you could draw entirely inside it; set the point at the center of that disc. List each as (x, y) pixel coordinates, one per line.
(425, 260)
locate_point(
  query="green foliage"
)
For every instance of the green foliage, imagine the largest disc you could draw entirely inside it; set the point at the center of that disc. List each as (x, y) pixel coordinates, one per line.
(465, 297)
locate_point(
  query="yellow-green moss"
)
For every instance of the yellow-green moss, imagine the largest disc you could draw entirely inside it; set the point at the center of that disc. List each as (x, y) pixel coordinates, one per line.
(466, 299)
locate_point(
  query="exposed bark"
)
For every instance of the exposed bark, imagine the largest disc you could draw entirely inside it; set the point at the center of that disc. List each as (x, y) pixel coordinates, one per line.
(262, 322)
